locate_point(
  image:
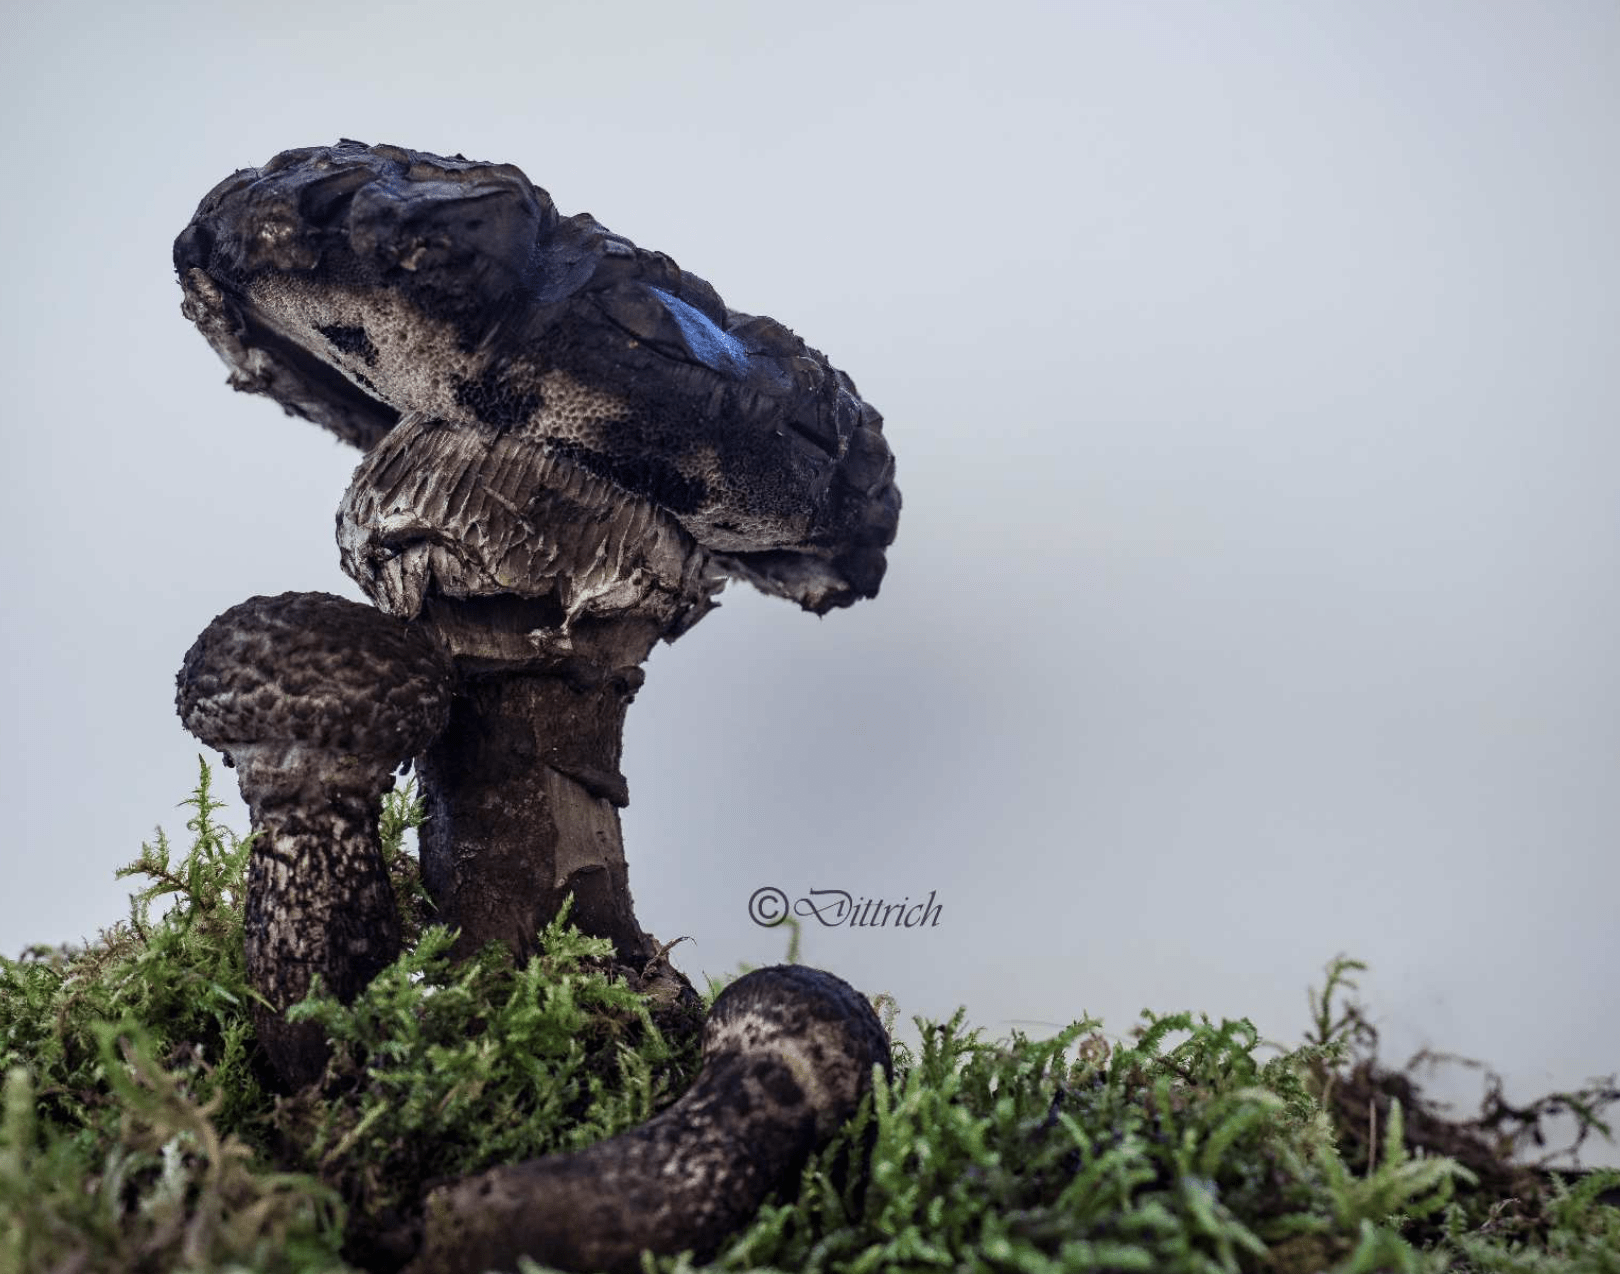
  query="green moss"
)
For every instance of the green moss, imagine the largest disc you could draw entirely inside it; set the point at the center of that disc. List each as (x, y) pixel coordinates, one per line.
(136, 1134)
(139, 1135)
(1196, 1156)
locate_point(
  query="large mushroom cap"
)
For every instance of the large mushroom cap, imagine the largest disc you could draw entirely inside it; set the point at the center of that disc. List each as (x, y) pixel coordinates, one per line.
(313, 672)
(356, 284)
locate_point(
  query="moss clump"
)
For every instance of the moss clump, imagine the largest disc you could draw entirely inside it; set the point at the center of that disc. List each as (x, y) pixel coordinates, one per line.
(139, 1134)
(1183, 1152)
(136, 1133)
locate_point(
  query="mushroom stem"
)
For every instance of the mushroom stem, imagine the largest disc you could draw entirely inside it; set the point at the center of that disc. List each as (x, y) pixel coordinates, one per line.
(319, 901)
(523, 796)
(788, 1053)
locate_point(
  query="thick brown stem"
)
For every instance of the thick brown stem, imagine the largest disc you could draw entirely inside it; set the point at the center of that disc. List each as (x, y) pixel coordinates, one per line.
(523, 795)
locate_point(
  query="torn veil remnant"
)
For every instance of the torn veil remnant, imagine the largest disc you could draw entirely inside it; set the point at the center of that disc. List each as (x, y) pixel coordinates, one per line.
(572, 441)
(549, 586)
(315, 700)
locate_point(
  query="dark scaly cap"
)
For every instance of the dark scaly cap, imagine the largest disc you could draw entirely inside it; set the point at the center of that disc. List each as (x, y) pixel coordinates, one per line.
(315, 670)
(355, 284)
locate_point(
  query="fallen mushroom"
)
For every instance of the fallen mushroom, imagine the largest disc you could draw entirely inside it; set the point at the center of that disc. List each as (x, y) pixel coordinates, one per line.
(572, 443)
(788, 1053)
(315, 700)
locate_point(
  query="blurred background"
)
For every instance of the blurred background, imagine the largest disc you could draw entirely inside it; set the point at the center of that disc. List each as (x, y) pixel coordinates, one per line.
(1253, 374)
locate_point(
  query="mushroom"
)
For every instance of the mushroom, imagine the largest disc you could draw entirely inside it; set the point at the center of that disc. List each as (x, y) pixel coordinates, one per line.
(315, 700)
(788, 1053)
(572, 443)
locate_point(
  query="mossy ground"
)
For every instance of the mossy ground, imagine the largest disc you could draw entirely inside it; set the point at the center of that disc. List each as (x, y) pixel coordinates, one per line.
(137, 1134)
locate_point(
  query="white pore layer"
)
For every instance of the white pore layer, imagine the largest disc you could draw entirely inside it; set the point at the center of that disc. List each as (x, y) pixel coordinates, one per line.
(418, 364)
(419, 360)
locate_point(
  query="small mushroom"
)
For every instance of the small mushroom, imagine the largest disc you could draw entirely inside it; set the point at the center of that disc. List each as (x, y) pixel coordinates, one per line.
(788, 1053)
(315, 700)
(572, 443)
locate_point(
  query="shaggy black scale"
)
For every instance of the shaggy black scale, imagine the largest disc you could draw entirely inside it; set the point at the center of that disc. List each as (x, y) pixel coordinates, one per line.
(729, 417)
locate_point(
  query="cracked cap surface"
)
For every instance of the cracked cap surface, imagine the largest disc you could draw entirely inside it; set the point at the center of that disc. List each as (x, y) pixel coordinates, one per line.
(318, 671)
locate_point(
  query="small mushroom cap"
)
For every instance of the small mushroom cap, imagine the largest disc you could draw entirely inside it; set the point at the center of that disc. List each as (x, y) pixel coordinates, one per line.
(356, 284)
(317, 672)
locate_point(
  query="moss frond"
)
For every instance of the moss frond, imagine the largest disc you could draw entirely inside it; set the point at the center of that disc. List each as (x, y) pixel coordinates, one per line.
(135, 1134)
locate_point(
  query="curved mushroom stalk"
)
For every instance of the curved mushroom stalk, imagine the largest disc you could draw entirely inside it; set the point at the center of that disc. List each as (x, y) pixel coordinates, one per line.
(315, 700)
(788, 1053)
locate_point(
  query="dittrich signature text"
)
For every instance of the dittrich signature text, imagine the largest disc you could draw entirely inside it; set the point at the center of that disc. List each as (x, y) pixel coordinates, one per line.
(838, 908)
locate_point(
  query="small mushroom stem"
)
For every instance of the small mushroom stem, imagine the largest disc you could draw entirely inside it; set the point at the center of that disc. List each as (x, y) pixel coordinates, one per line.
(788, 1053)
(523, 795)
(315, 700)
(319, 901)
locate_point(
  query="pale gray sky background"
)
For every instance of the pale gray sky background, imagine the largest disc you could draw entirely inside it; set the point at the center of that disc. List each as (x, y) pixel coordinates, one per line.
(1253, 373)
